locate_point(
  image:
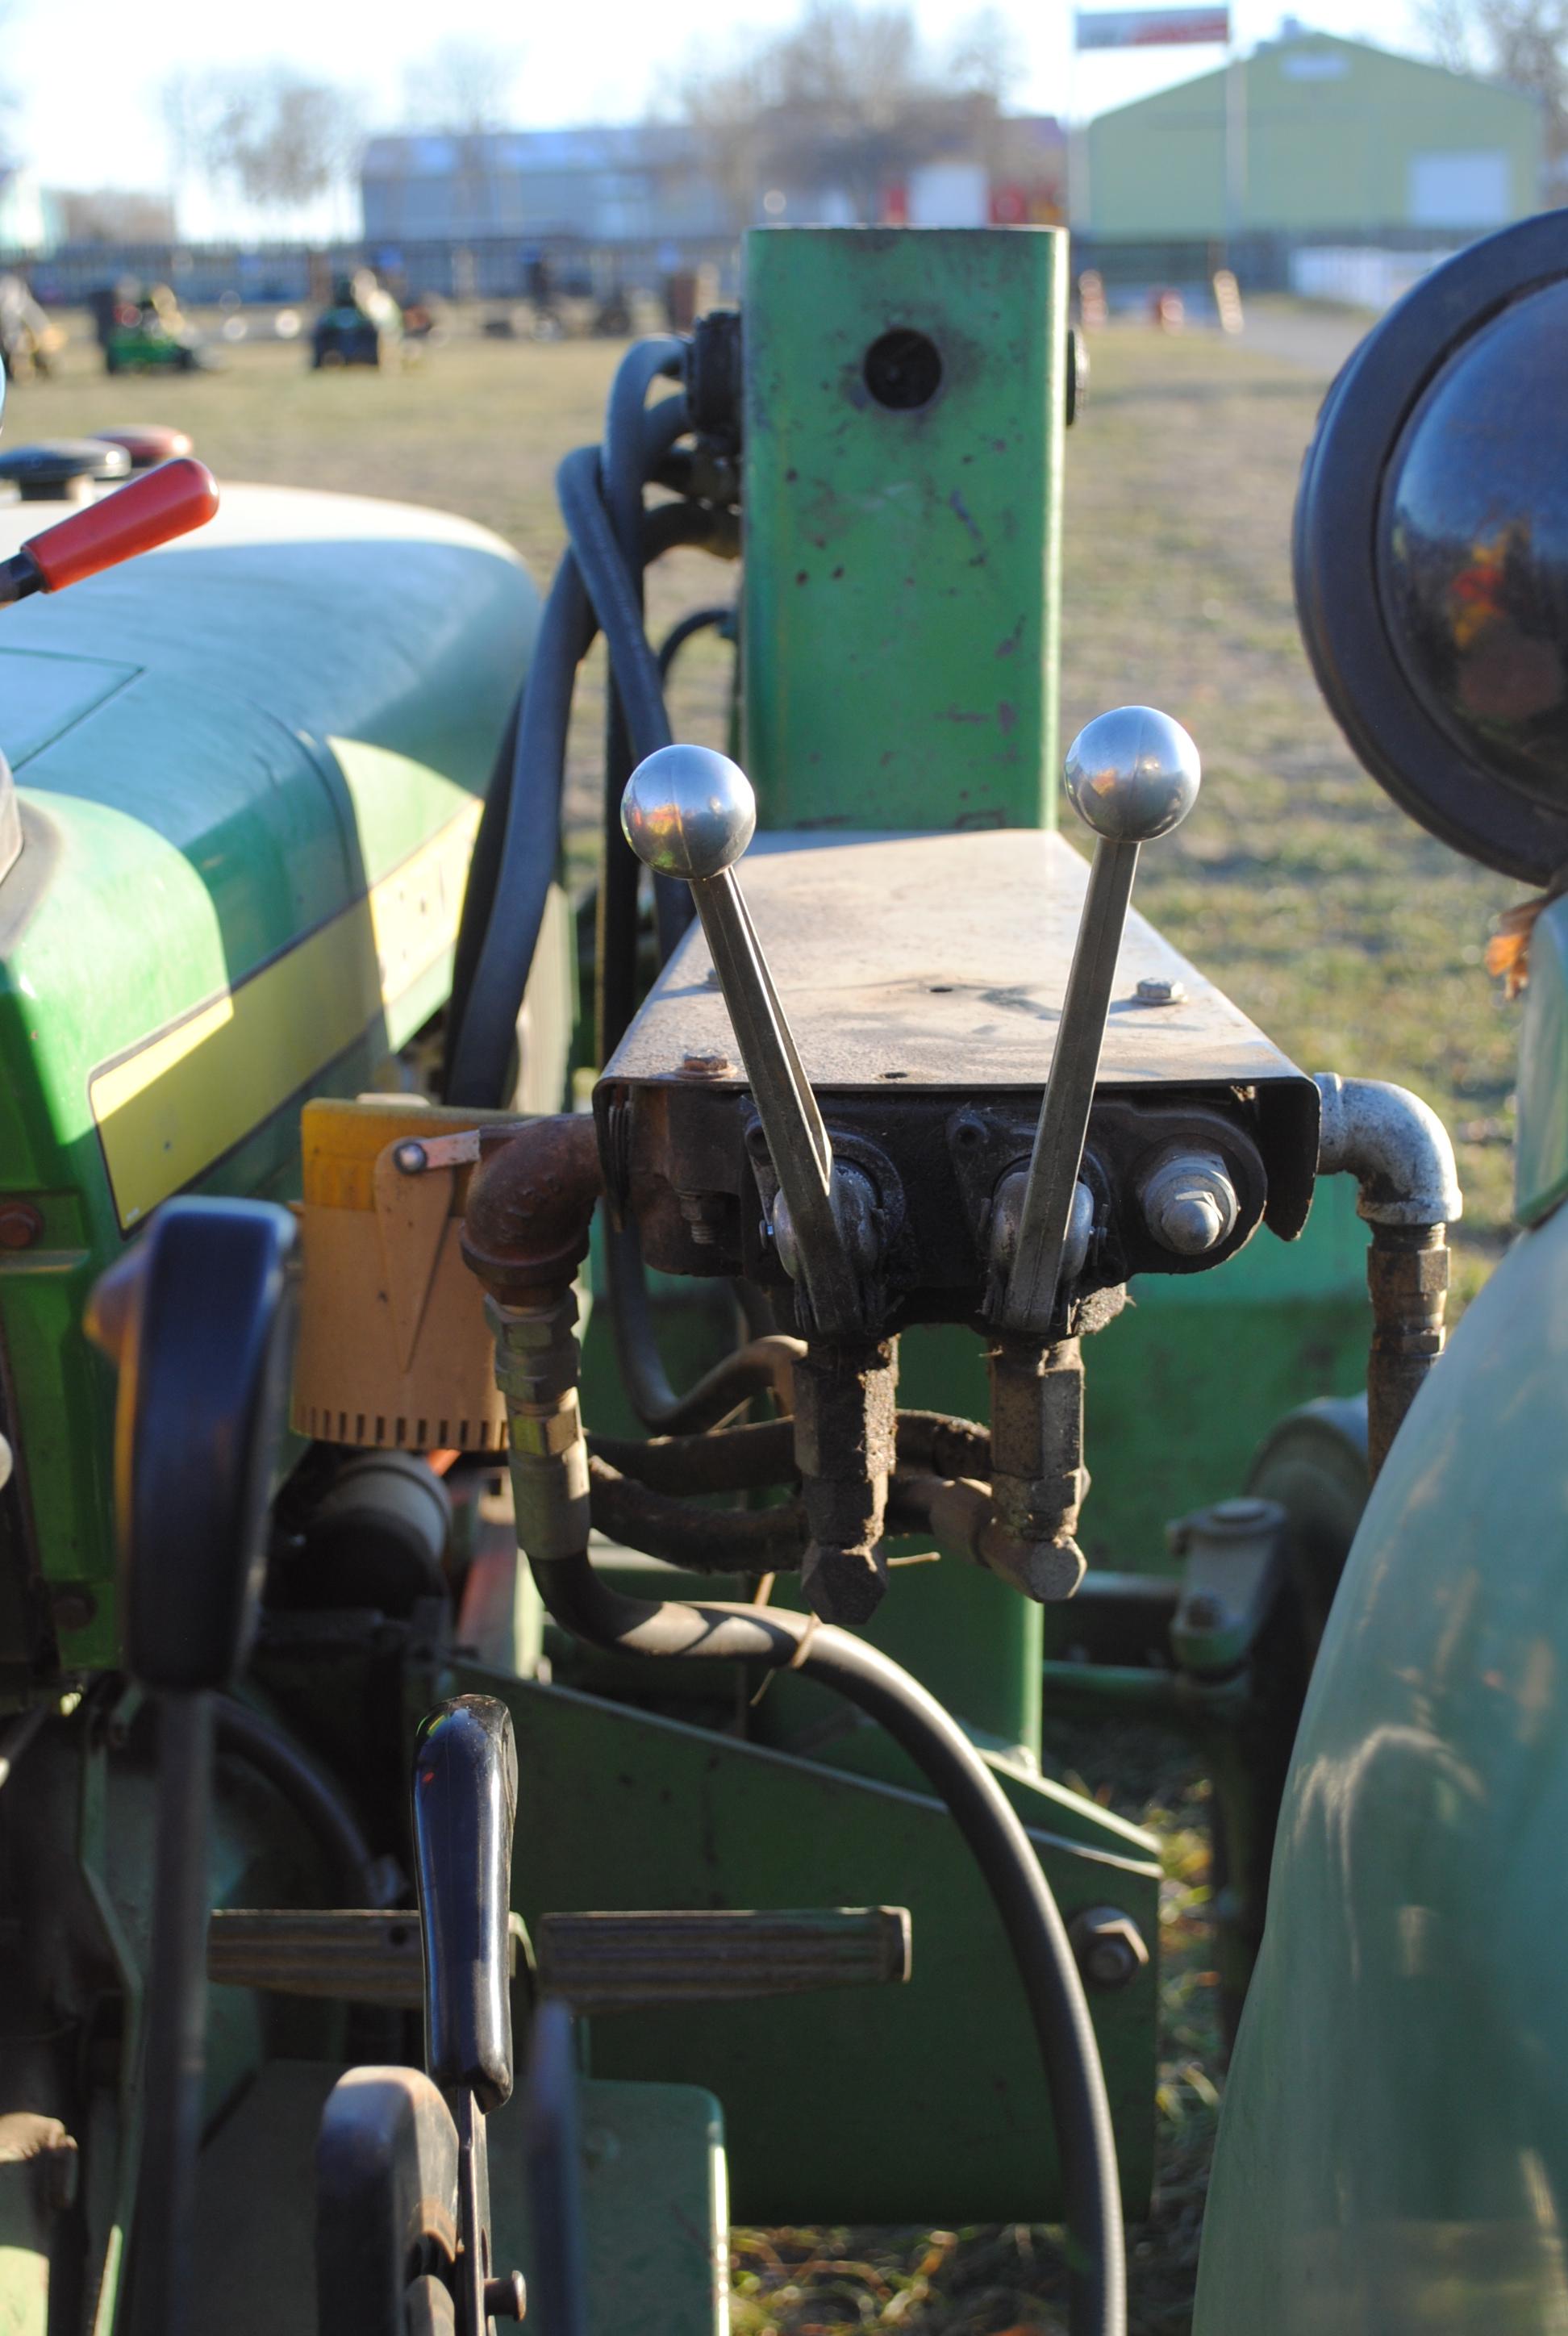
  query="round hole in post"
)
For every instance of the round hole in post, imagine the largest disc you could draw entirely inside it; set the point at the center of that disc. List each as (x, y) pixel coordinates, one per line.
(903, 369)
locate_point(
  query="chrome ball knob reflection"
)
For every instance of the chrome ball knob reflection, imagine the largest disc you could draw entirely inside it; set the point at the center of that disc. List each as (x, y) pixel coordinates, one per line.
(689, 812)
(1133, 774)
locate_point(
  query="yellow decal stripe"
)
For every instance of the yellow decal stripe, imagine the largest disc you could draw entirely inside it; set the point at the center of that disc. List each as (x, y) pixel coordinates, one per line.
(189, 1093)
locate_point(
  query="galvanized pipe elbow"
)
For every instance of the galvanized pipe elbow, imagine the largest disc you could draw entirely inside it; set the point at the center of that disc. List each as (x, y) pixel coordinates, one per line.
(1395, 1147)
(1398, 1152)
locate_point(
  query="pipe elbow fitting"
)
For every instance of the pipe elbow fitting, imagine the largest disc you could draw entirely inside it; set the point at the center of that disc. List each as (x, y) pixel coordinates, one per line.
(530, 1206)
(1395, 1147)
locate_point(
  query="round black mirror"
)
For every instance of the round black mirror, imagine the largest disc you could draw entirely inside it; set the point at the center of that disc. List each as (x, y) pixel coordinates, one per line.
(1431, 550)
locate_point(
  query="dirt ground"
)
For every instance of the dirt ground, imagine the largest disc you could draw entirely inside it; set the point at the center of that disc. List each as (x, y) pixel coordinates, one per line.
(1354, 939)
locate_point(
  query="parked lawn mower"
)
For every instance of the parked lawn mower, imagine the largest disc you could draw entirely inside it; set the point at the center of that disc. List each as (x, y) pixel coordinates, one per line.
(362, 325)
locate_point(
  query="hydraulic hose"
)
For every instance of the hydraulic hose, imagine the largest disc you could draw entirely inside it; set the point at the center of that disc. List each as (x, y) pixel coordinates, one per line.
(627, 456)
(635, 442)
(244, 1732)
(707, 1540)
(577, 1598)
(494, 953)
(485, 1019)
(701, 620)
(762, 1367)
(609, 581)
(484, 869)
(755, 1457)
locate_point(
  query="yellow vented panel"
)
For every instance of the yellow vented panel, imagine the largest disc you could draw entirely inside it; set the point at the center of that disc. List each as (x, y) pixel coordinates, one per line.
(393, 1346)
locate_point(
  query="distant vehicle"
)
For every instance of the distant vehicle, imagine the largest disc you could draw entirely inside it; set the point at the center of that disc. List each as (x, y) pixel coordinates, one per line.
(361, 326)
(29, 343)
(140, 329)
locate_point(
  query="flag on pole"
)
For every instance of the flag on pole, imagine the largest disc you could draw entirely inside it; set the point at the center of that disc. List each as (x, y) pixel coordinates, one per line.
(1150, 28)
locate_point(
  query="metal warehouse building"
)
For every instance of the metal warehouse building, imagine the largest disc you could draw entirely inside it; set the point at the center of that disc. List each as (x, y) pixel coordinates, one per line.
(1313, 137)
(613, 185)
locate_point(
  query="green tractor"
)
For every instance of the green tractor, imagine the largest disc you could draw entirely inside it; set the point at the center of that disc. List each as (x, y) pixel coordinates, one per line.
(480, 1368)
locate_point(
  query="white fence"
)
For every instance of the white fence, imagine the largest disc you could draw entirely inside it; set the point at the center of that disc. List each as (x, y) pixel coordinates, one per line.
(1360, 278)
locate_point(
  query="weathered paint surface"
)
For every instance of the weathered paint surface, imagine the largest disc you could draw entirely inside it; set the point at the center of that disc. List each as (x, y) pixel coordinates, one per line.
(902, 564)
(247, 768)
(1540, 1155)
(1393, 2152)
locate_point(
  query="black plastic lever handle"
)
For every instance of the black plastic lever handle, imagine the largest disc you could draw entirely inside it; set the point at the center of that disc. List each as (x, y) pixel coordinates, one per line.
(464, 1802)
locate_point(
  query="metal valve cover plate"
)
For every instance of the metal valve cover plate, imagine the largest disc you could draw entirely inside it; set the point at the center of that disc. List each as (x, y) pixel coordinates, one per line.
(938, 961)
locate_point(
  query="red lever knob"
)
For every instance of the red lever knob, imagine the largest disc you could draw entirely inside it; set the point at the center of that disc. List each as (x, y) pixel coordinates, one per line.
(162, 503)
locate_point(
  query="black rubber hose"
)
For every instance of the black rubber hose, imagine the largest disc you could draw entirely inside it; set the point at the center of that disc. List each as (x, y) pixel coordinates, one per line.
(582, 1603)
(482, 1023)
(707, 1541)
(244, 1732)
(762, 1455)
(617, 602)
(484, 869)
(482, 1038)
(635, 443)
(761, 1367)
(627, 455)
(701, 620)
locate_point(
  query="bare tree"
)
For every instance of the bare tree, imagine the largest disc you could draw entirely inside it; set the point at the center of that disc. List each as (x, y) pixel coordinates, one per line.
(847, 98)
(275, 138)
(1522, 41)
(463, 85)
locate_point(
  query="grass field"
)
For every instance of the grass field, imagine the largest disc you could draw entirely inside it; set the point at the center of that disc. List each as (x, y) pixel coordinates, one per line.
(1355, 940)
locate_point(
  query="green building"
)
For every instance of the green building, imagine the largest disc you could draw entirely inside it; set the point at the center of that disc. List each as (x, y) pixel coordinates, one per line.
(1313, 137)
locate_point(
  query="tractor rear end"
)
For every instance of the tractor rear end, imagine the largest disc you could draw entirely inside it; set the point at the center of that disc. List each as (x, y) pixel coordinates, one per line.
(669, 1285)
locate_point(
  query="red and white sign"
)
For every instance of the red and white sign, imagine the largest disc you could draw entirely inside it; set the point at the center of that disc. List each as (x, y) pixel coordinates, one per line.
(1150, 28)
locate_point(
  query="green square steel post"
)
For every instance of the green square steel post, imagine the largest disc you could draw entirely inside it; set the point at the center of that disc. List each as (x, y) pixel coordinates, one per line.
(902, 559)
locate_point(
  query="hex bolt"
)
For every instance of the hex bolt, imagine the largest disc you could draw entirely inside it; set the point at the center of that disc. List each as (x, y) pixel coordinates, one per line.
(1109, 1947)
(1189, 1202)
(1152, 990)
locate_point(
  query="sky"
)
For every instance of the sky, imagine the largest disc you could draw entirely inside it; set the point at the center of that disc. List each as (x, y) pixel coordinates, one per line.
(87, 114)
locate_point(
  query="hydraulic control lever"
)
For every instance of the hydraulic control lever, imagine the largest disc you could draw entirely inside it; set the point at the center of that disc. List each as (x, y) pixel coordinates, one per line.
(1130, 775)
(198, 1317)
(154, 509)
(690, 812)
(464, 1804)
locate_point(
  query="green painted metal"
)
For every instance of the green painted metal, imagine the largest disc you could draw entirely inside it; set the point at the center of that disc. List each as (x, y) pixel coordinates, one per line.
(1541, 1153)
(653, 2193)
(1182, 1389)
(1395, 2136)
(654, 2206)
(902, 590)
(218, 751)
(682, 1816)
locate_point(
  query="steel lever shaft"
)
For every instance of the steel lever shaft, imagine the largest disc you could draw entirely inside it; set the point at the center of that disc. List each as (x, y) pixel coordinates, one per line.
(1130, 775)
(690, 812)
(464, 1806)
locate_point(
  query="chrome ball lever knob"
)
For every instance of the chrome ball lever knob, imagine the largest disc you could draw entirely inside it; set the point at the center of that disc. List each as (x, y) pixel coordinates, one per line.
(689, 812)
(1133, 774)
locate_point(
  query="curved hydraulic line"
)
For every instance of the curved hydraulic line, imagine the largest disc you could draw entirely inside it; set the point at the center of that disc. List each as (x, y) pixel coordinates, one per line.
(582, 1604)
